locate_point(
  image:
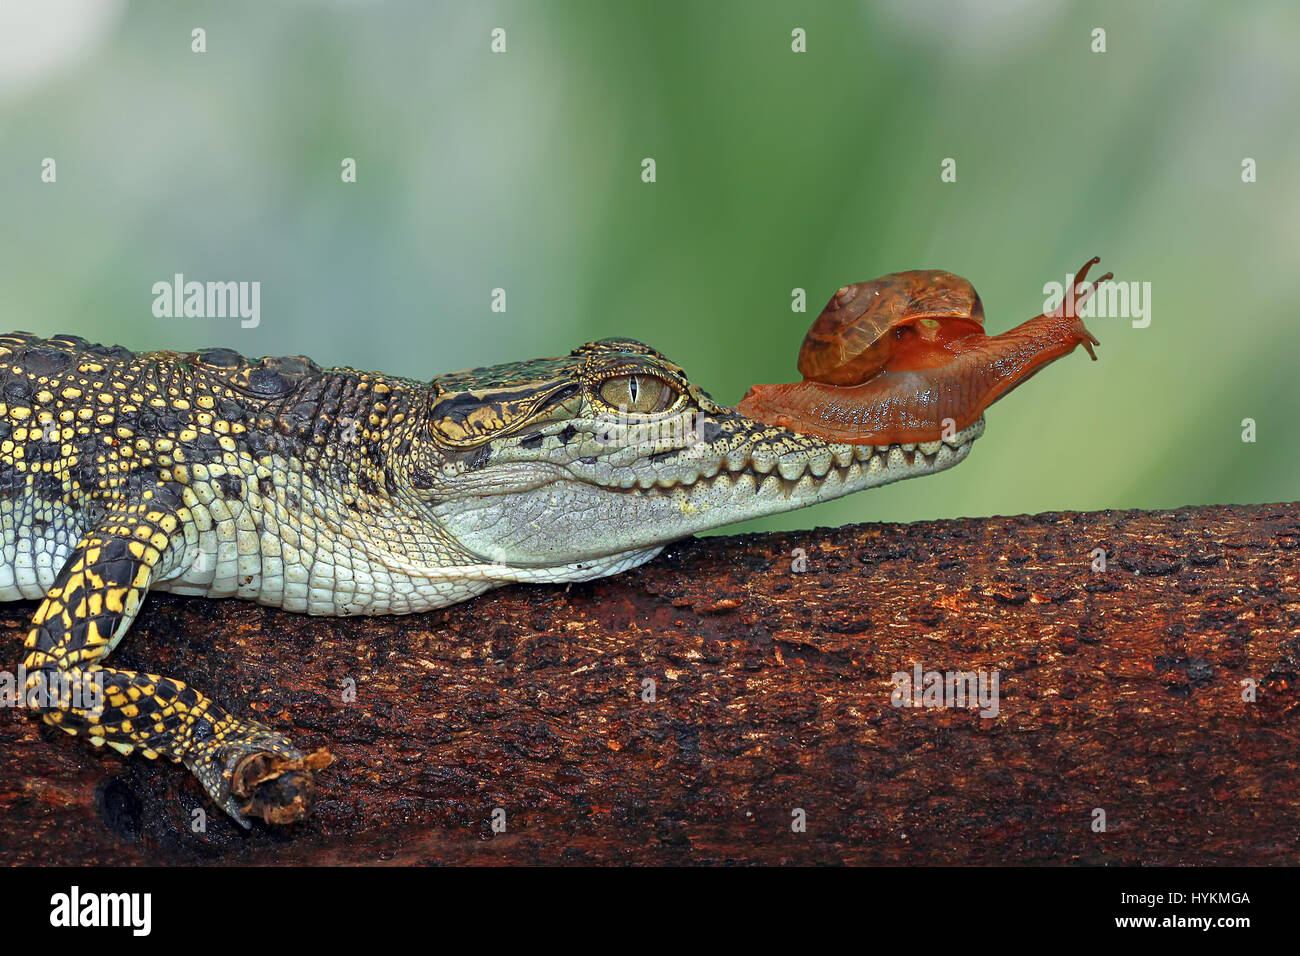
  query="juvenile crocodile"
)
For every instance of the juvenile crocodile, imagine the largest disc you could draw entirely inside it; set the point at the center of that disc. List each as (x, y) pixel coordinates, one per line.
(337, 492)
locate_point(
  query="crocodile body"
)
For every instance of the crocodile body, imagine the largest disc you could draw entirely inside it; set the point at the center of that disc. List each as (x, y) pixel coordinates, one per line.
(333, 491)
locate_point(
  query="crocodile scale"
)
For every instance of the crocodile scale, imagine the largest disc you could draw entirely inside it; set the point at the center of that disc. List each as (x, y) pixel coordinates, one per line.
(333, 491)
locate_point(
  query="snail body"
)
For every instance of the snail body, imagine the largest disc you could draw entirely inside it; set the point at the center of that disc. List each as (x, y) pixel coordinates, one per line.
(904, 358)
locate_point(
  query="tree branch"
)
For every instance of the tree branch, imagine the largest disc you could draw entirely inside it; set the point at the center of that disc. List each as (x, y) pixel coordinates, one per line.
(1120, 691)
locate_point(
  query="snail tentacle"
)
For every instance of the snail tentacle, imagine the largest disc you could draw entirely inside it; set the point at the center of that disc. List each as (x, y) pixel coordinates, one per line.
(904, 358)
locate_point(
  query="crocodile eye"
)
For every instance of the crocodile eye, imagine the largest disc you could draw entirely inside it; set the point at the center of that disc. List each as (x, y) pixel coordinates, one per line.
(643, 394)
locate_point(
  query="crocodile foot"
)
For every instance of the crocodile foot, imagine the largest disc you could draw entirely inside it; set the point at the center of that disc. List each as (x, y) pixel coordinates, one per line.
(275, 788)
(253, 771)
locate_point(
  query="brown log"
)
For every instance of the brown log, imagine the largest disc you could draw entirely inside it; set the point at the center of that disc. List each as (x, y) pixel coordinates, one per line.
(1120, 690)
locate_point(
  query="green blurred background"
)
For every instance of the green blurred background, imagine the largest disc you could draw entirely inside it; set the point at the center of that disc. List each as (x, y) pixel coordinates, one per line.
(775, 170)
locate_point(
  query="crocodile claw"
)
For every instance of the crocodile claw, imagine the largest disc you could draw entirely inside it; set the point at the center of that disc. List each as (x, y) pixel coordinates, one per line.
(277, 789)
(261, 775)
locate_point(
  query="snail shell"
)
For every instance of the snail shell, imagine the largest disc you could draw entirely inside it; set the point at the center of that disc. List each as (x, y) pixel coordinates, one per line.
(863, 324)
(904, 358)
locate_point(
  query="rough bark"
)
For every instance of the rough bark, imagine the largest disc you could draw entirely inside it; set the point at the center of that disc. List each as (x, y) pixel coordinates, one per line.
(1120, 691)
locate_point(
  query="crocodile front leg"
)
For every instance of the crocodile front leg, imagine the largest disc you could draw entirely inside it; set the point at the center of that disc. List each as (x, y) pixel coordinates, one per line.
(246, 768)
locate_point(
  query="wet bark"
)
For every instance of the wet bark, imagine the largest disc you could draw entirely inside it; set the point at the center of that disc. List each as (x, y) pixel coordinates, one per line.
(1160, 692)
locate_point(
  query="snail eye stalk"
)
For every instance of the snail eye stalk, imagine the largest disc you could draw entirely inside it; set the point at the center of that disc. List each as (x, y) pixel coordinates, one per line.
(640, 394)
(905, 359)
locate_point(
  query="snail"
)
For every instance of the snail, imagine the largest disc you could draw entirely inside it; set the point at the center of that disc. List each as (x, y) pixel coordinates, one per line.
(904, 359)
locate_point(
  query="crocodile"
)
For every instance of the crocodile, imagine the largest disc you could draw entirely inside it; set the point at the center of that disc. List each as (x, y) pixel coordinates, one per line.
(332, 491)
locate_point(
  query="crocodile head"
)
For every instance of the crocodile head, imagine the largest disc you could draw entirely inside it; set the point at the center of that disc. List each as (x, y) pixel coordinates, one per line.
(612, 450)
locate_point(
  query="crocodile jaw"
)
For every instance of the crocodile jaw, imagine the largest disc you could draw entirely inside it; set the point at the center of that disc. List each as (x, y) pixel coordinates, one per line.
(573, 517)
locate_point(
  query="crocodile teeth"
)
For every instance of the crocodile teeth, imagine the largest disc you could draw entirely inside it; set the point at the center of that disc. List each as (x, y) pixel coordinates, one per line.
(844, 457)
(791, 470)
(900, 458)
(804, 485)
(820, 463)
(744, 484)
(770, 484)
(762, 465)
(930, 447)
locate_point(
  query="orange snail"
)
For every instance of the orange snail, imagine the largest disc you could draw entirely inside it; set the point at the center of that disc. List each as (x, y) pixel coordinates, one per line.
(890, 360)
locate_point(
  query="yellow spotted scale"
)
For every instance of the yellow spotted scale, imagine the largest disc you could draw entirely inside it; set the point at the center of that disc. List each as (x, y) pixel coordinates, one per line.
(334, 491)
